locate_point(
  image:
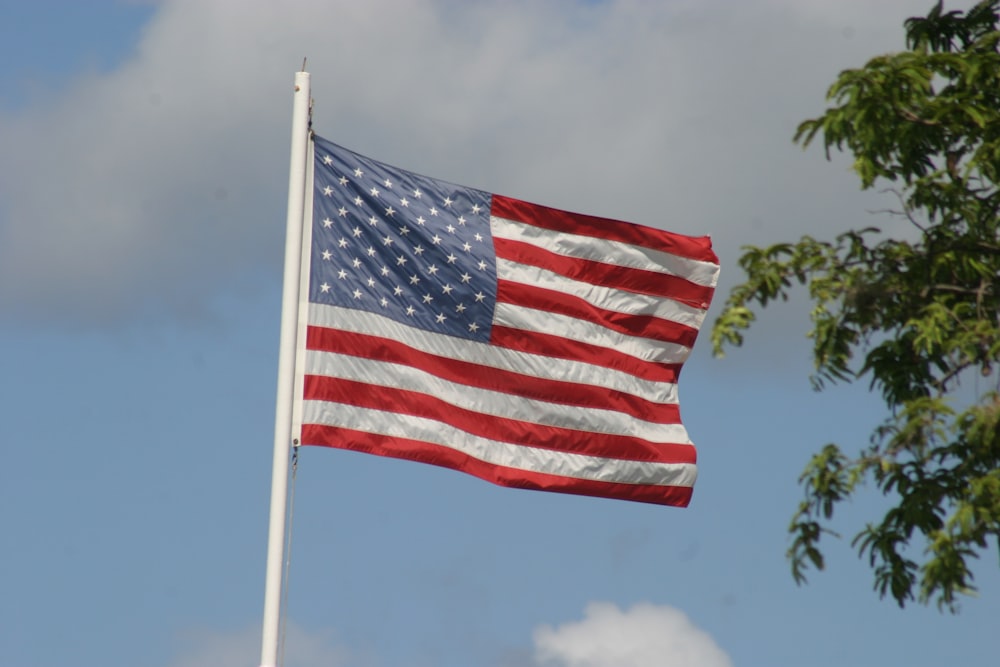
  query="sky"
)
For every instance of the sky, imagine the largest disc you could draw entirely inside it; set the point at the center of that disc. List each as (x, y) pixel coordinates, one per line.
(143, 184)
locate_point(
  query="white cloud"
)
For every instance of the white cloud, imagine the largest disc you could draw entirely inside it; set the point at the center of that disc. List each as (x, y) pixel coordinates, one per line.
(160, 186)
(849, 12)
(645, 635)
(242, 649)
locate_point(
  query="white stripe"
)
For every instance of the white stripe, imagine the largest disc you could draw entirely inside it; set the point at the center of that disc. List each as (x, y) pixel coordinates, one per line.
(491, 403)
(550, 368)
(647, 349)
(564, 464)
(607, 252)
(621, 301)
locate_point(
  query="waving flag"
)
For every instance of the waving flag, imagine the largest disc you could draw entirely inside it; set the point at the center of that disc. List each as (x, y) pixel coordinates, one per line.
(525, 345)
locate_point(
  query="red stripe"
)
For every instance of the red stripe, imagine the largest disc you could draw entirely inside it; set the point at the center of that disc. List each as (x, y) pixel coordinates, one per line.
(423, 452)
(606, 275)
(493, 379)
(698, 248)
(548, 345)
(415, 404)
(645, 326)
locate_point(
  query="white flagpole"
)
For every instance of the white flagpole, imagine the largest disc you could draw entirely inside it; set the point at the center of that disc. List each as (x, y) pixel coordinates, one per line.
(286, 371)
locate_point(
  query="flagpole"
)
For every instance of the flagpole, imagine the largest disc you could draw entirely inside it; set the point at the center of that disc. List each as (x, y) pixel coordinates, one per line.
(286, 370)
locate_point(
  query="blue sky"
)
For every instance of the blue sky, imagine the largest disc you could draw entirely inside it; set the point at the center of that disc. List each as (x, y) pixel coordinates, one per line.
(142, 198)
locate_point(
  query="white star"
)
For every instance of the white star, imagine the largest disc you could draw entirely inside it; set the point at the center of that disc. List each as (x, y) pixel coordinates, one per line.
(373, 221)
(384, 270)
(356, 231)
(327, 222)
(461, 220)
(324, 287)
(358, 172)
(404, 202)
(475, 208)
(420, 220)
(440, 318)
(371, 282)
(434, 211)
(357, 294)
(400, 261)
(436, 239)
(479, 237)
(387, 240)
(371, 251)
(343, 180)
(414, 279)
(358, 201)
(403, 231)
(447, 289)
(451, 229)
(418, 194)
(384, 302)
(327, 159)
(397, 290)
(356, 263)
(374, 192)
(432, 269)
(410, 310)
(466, 277)
(473, 327)
(480, 296)
(327, 254)
(482, 266)
(419, 250)
(342, 243)
(428, 298)
(342, 212)
(447, 201)
(467, 247)
(460, 307)
(341, 274)
(452, 259)
(387, 183)
(328, 191)
(390, 211)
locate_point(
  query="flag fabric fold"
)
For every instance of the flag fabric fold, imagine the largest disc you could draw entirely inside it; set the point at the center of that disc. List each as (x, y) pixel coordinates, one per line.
(528, 346)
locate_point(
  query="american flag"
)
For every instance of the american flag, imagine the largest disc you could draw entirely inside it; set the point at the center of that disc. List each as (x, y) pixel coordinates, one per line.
(525, 345)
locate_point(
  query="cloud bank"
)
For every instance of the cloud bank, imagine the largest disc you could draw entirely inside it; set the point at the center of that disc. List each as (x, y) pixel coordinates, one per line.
(155, 188)
(644, 635)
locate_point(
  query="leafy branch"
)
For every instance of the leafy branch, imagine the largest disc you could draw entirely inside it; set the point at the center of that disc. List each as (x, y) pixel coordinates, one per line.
(913, 317)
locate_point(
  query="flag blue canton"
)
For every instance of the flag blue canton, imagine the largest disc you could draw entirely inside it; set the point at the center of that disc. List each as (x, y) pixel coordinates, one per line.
(415, 249)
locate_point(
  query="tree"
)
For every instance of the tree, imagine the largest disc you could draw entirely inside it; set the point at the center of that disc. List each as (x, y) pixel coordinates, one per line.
(916, 317)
